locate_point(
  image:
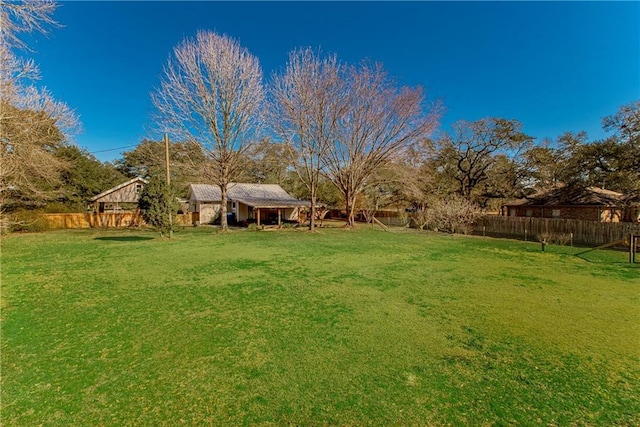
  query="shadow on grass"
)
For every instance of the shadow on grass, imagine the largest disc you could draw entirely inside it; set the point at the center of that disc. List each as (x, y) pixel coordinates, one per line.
(124, 238)
(598, 260)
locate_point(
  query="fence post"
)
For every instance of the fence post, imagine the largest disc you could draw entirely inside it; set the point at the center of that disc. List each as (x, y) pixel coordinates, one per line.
(632, 249)
(525, 234)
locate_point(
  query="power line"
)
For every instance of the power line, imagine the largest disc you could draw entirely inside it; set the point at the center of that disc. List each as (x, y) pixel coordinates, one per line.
(112, 149)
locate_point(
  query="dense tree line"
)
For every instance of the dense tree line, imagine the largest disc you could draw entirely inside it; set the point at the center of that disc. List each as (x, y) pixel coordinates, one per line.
(491, 161)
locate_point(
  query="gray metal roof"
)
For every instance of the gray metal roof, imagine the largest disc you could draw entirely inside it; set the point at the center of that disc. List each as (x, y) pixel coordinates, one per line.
(256, 195)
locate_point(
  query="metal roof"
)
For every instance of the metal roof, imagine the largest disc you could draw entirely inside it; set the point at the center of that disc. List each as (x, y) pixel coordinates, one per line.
(256, 195)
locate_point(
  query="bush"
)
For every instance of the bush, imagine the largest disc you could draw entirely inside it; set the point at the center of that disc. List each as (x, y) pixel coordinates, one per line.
(452, 215)
(25, 221)
(554, 238)
(216, 219)
(59, 207)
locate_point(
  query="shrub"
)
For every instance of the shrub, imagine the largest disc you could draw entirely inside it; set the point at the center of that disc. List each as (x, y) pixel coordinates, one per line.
(59, 207)
(27, 220)
(554, 238)
(452, 215)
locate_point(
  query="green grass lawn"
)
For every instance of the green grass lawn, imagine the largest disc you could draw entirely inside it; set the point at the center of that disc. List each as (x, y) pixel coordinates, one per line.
(340, 327)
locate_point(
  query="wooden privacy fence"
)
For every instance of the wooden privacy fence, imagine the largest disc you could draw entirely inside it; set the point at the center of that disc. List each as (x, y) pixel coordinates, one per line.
(103, 220)
(584, 232)
(391, 217)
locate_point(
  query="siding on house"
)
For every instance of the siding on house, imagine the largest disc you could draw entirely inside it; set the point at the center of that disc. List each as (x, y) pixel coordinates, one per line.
(566, 202)
(125, 193)
(244, 200)
(585, 213)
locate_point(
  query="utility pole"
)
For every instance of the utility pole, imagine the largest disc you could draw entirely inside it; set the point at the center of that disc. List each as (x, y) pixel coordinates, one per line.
(166, 160)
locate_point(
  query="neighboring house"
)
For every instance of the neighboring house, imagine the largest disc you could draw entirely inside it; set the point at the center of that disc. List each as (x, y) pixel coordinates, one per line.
(121, 198)
(570, 202)
(262, 203)
(631, 206)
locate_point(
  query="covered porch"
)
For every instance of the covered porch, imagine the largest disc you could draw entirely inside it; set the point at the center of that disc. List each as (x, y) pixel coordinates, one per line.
(272, 215)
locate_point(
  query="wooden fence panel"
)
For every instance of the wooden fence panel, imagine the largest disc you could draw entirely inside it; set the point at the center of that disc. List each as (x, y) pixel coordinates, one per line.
(67, 220)
(103, 220)
(584, 232)
(183, 219)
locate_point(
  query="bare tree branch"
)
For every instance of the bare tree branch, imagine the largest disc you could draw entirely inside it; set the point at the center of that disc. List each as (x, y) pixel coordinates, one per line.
(379, 121)
(211, 93)
(307, 101)
(25, 17)
(32, 123)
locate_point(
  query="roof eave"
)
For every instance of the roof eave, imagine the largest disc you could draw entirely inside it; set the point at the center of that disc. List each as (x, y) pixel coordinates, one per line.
(116, 188)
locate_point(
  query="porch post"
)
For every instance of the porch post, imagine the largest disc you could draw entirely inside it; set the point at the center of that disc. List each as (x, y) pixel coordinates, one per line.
(279, 213)
(258, 216)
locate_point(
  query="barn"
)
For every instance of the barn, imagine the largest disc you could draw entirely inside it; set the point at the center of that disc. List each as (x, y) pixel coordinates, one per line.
(121, 198)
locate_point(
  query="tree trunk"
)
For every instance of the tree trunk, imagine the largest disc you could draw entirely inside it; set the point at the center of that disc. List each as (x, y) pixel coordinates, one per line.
(312, 220)
(350, 203)
(223, 206)
(347, 206)
(351, 212)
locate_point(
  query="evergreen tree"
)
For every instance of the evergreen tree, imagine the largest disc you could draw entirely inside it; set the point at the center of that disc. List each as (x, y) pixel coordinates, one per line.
(158, 205)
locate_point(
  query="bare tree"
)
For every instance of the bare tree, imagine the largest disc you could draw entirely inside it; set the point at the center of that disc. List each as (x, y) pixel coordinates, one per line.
(211, 93)
(379, 122)
(307, 101)
(32, 123)
(469, 154)
(25, 17)
(452, 214)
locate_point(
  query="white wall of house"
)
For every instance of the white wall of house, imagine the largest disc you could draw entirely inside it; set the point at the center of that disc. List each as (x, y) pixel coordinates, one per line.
(242, 212)
(208, 211)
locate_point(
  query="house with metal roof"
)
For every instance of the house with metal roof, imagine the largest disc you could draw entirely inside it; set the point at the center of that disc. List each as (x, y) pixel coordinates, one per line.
(260, 203)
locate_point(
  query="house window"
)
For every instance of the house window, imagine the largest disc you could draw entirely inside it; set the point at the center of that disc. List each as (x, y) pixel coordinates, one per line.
(233, 205)
(555, 213)
(529, 212)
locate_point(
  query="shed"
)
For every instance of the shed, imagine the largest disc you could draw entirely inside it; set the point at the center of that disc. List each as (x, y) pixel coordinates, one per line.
(569, 202)
(262, 203)
(121, 198)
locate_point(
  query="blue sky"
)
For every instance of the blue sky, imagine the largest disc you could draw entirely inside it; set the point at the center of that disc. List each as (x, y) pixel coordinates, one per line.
(556, 67)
